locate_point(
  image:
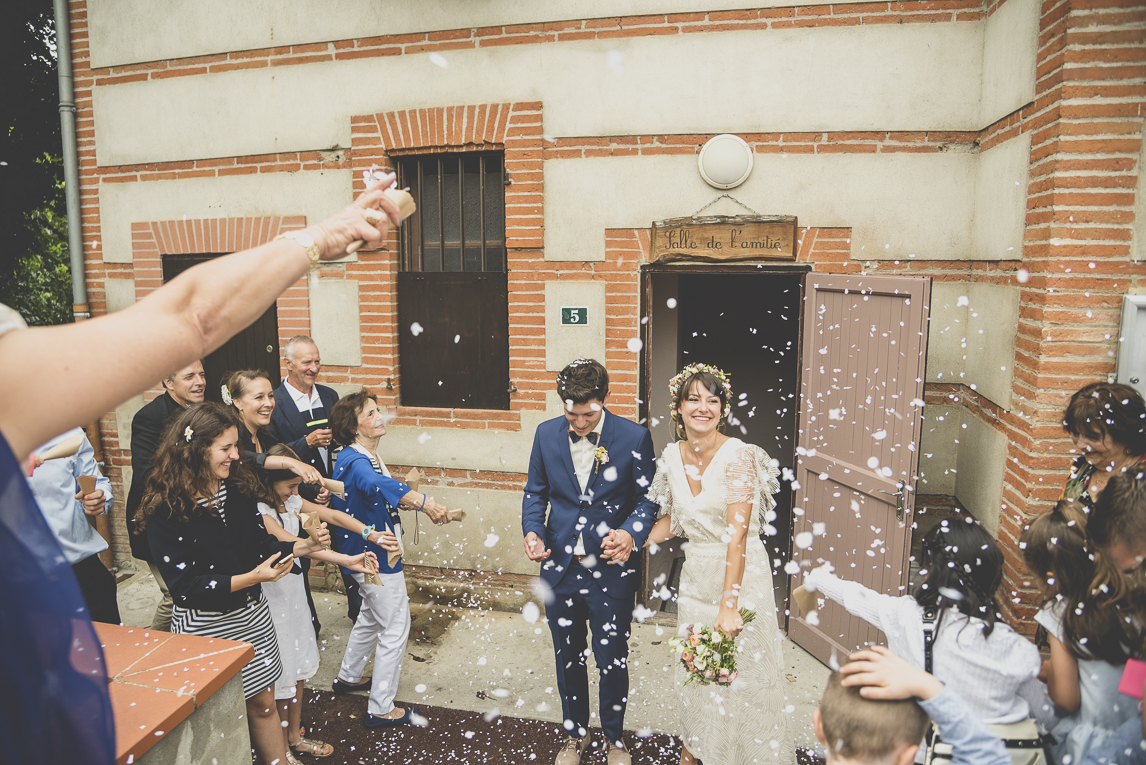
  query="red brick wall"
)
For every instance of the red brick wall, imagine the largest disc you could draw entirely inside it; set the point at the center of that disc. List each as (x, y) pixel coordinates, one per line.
(1086, 132)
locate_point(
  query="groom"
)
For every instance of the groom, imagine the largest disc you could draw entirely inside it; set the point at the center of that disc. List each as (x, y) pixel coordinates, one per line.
(591, 469)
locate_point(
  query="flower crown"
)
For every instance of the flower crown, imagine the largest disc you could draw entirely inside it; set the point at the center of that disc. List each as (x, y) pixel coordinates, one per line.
(676, 383)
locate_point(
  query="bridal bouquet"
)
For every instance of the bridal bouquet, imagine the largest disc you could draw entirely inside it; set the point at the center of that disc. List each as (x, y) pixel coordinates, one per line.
(709, 655)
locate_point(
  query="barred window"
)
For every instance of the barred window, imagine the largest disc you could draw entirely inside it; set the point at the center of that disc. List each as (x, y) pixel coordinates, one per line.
(453, 283)
(461, 206)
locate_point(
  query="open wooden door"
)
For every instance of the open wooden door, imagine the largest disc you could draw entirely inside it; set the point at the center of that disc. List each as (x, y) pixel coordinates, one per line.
(864, 348)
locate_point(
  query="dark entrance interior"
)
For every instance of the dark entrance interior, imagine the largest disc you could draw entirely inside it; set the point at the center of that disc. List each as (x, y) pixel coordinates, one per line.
(256, 347)
(747, 322)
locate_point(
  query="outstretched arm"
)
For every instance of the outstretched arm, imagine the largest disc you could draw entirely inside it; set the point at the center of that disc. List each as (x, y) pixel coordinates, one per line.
(180, 322)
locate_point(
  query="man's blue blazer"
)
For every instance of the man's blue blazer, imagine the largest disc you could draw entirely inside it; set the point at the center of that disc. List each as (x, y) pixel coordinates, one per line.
(614, 499)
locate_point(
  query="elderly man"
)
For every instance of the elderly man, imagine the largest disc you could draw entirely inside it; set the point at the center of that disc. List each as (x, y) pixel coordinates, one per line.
(181, 390)
(302, 406)
(301, 420)
(66, 508)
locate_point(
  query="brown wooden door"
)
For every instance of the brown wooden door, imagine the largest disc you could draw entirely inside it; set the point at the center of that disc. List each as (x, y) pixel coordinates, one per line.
(864, 348)
(255, 347)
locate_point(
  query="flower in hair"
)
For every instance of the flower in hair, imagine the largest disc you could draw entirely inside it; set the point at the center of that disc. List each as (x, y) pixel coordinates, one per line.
(226, 395)
(187, 434)
(677, 382)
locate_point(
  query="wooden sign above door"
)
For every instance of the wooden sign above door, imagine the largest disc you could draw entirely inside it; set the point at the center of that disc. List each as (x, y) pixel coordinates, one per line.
(724, 238)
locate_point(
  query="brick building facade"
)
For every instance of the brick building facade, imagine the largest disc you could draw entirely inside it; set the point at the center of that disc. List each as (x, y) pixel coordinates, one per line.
(1029, 171)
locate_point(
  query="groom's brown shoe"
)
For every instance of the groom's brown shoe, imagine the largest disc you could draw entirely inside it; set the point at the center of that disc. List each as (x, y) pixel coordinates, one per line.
(570, 754)
(619, 756)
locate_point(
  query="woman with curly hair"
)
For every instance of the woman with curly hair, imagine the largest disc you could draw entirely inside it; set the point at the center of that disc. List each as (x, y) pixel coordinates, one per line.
(1107, 423)
(199, 514)
(717, 491)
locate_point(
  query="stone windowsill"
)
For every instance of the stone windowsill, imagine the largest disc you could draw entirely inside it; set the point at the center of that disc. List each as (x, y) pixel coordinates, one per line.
(158, 680)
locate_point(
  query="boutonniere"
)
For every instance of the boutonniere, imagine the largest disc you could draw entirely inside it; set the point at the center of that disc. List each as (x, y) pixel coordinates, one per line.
(600, 457)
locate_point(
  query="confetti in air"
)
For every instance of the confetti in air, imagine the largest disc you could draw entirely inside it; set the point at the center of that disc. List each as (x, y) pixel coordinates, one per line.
(416, 329)
(437, 59)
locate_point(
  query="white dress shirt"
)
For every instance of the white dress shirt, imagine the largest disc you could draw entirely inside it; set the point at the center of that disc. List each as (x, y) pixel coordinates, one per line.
(54, 486)
(582, 453)
(307, 403)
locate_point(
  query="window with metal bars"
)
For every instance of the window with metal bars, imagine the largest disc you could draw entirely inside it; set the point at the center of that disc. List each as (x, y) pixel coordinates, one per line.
(453, 288)
(460, 225)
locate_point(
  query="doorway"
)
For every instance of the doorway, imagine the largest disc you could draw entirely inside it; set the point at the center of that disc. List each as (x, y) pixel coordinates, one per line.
(745, 320)
(256, 347)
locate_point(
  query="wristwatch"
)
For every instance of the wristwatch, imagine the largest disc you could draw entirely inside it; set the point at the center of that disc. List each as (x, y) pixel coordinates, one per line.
(307, 242)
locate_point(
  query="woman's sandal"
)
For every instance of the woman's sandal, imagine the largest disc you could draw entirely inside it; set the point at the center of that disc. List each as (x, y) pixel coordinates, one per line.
(309, 747)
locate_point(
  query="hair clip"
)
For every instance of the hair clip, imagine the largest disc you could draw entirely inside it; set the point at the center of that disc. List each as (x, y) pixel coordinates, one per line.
(187, 434)
(226, 396)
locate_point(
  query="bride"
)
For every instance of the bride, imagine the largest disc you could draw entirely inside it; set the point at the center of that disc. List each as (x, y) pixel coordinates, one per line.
(716, 491)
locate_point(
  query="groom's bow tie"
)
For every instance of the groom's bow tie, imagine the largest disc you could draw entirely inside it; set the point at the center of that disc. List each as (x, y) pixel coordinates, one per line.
(591, 436)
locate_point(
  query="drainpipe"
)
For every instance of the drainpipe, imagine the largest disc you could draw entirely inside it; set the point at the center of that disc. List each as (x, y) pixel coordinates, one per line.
(80, 310)
(71, 159)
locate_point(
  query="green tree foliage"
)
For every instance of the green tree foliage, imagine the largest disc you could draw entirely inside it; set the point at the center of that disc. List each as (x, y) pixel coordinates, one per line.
(33, 234)
(39, 285)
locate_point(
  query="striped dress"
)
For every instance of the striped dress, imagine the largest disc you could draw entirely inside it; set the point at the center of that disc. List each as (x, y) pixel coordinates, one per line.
(249, 624)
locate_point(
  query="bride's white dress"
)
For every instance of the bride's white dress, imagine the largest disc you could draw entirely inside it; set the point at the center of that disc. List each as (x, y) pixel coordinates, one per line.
(745, 722)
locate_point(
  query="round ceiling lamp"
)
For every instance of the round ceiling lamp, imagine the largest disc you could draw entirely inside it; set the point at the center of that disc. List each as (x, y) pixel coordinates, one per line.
(725, 161)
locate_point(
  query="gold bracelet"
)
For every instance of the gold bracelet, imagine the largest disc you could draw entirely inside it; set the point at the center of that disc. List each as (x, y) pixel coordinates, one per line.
(306, 242)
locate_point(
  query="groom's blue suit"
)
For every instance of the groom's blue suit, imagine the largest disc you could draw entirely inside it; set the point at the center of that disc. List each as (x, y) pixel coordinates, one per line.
(590, 589)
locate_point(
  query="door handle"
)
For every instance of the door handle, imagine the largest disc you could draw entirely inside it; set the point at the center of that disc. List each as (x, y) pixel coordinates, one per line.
(900, 498)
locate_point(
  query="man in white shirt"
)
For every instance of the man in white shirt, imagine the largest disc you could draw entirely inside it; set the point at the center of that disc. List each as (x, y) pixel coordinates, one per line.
(301, 420)
(302, 406)
(66, 509)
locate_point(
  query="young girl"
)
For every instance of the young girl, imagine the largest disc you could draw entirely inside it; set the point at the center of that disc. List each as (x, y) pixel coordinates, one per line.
(975, 653)
(298, 647)
(1087, 613)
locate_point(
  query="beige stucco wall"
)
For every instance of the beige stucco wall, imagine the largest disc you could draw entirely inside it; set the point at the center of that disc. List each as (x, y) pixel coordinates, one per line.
(466, 448)
(1010, 47)
(119, 294)
(885, 77)
(316, 194)
(982, 461)
(963, 456)
(971, 338)
(488, 540)
(566, 343)
(938, 450)
(1001, 200)
(334, 321)
(898, 205)
(1138, 244)
(130, 31)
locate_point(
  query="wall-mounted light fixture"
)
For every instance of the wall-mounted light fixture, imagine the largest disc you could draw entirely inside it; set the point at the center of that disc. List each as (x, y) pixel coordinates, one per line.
(725, 161)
